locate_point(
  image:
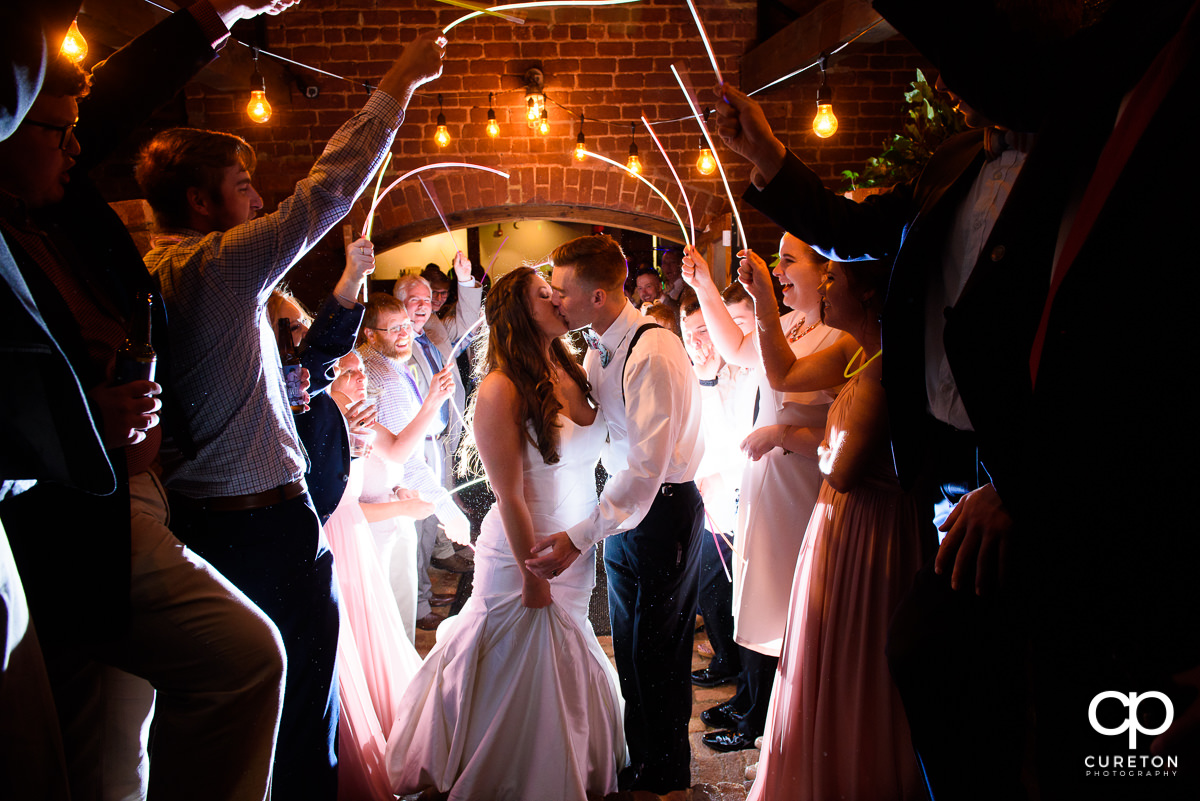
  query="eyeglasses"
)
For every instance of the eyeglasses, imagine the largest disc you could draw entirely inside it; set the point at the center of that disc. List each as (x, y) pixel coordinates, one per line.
(66, 132)
(395, 329)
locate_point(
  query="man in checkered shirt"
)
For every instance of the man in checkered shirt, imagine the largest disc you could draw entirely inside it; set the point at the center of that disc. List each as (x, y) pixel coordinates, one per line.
(242, 502)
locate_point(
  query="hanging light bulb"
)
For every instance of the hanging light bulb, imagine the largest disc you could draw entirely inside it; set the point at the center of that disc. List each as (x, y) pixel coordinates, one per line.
(493, 127)
(634, 164)
(259, 108)
(74, 46)
(441, 135)
(544, 123)
(705, 163)
(580, 147)
(824, 124)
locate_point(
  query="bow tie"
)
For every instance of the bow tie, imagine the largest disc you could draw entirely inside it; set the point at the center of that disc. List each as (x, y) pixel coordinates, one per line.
(593, 341)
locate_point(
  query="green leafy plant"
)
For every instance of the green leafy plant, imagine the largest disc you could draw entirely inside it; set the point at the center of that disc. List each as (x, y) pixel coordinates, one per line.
(931, 119)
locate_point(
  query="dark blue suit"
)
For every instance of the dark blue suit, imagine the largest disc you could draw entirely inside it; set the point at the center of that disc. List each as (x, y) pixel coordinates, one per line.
(322, 429)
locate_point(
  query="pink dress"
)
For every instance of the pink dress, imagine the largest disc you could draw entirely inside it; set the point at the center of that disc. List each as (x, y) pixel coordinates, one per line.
(375, 659)
(836, 727)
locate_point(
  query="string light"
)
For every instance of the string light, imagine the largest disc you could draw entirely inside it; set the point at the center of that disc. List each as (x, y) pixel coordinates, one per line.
(580, 147)
(259, 108)
(493, 127)
(634, 164)
(74, 46)
(705, 164)
(824, 124)
(441, 136)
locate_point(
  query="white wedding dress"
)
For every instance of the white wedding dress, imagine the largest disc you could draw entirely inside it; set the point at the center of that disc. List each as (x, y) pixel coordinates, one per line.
(517, 703)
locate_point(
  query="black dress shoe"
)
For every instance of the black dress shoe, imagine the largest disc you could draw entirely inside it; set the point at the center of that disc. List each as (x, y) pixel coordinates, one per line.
(721, 716)
(707, 677)
(727, 740)
(442, 598)
(453, 564)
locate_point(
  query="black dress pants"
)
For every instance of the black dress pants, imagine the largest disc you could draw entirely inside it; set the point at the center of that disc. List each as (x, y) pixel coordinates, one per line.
(652, 587)
(279, 558)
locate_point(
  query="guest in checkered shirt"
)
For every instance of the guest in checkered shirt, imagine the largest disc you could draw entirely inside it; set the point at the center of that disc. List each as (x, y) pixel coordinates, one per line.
(242, 502)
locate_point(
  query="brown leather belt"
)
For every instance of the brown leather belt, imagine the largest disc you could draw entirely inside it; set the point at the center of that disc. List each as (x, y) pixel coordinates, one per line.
(241, 503)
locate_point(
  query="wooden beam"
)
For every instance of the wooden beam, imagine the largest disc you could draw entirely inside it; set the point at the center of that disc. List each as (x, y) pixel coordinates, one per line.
(802, 42)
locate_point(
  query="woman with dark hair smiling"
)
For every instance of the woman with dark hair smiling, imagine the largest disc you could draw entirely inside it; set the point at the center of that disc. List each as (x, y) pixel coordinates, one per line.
(517, 700)
(836, 727)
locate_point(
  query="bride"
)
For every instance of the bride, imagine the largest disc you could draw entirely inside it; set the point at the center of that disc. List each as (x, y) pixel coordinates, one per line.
(517, 700)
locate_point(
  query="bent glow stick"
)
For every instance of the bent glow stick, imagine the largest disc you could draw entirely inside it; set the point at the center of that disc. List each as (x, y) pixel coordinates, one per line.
(737, 218)
(487, 271)
(454, 351)
(437, 208)
(438, 165)
(704, 38)
(678, 219)
(682, 191)
(375, 197)
(470, 483)
(552, 4)
(482, 10)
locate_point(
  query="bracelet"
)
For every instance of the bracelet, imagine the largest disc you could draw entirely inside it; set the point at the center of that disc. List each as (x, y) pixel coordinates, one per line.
(343, 297)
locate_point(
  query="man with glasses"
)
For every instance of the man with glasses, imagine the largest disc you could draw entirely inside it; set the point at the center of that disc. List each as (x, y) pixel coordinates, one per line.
(110, 585)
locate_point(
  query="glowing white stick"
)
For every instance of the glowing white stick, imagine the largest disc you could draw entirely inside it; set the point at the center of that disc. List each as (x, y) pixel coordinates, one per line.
(552, 4)
(375, 198)
(737, 218)
(470, 483)
(438, 209)
(454, 351)
(678, 219)
(682, 191)
(704, 38)
(438, 165)
(487, 271)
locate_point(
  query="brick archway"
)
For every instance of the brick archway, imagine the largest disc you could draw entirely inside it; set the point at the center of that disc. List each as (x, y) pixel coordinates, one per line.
(604, 196)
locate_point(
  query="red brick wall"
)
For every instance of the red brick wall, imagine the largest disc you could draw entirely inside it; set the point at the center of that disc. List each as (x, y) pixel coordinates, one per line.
(612, 63)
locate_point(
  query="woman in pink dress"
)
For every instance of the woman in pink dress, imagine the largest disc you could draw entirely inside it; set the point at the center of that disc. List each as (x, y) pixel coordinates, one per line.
(836, 727)
(375, 658)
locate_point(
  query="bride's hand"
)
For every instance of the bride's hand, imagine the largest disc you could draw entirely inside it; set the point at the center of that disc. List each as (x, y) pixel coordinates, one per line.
(535, 593)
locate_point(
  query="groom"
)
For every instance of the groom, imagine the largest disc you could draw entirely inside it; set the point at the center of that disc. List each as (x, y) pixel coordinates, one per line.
(650, 508)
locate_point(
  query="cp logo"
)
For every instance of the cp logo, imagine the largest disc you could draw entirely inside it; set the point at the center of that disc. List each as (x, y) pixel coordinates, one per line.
(1132, 725)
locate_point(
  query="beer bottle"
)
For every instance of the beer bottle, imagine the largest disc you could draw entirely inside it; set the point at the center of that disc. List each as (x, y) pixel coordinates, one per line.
(136, 359)
(291, 365)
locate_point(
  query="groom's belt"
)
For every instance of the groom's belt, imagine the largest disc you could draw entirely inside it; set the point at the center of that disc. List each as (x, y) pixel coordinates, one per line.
(669, 488)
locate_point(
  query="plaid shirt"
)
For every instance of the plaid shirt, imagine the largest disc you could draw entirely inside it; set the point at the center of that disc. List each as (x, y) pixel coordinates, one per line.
(226, 366)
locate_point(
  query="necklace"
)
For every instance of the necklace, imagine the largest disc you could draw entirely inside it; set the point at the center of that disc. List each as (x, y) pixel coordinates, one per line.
(794, 333)
(862, 366)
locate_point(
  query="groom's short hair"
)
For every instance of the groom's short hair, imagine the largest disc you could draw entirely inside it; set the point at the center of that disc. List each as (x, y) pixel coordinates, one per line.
(598, 261)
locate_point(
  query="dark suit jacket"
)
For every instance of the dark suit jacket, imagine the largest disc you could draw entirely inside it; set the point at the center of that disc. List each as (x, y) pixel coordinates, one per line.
(322, 428)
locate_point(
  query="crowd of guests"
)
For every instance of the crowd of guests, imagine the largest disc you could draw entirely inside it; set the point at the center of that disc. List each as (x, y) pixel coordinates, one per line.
(906, 566)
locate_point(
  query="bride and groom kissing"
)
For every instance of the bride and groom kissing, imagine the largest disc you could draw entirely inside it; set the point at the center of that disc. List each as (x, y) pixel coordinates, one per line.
(518, 700)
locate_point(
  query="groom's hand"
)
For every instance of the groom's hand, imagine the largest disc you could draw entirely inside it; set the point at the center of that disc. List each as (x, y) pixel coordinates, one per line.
(557, 554)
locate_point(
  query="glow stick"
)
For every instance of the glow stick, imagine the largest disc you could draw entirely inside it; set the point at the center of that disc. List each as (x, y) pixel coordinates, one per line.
(552, 4)
(482, 10)
(454, 351)
(713, 149)
(436, 208)
(375, 198)
(704, 38)
(678, 219)
(682, 191)
(438, 165)
(470, 483)
(487, 271)
(457, 411)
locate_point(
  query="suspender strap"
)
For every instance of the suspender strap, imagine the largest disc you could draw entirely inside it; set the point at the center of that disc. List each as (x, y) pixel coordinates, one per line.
(636, 336)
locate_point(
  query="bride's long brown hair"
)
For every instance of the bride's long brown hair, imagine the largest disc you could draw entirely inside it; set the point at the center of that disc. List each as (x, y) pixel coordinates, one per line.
(513, 346)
